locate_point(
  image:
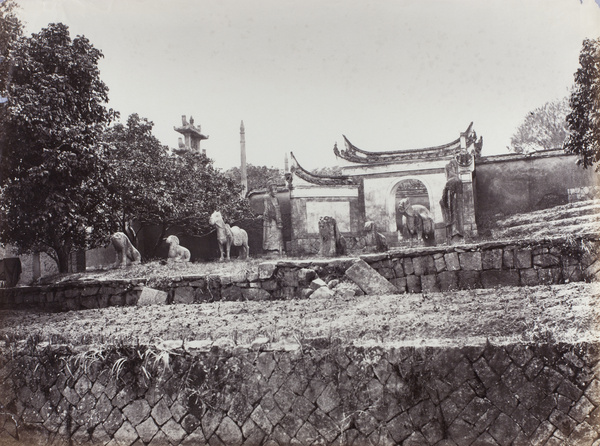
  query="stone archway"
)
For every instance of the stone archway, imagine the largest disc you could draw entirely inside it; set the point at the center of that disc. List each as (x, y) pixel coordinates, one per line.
(413, 189)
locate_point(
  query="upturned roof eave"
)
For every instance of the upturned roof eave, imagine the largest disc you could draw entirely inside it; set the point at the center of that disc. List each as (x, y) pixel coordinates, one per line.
(319, 179)
(185, 130)
(354, 154)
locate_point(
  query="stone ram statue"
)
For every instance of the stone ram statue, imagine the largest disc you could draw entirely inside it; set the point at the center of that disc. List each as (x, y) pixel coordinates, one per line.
(177, 253)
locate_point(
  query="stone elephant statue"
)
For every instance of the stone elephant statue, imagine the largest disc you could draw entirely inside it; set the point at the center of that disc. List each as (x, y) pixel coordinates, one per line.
(417, 222)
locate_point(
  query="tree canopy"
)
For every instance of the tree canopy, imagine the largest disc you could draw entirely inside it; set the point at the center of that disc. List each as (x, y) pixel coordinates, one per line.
(53, 194)
(135, 166)
(584, 118)
(543, 128)
(259, 177)
(10, 30)
(150, 186)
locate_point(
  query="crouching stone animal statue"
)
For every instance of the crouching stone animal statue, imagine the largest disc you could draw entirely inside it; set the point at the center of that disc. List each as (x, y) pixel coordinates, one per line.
(417, 222)
(374, 239)
(126, 252)
(331, 241)
(177, 253)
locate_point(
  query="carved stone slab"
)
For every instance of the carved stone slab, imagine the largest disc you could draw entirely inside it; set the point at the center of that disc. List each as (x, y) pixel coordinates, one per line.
(150, 296)
(369, 280)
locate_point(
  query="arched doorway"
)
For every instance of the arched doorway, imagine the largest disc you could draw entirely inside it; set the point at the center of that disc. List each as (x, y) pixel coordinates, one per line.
(415, 191)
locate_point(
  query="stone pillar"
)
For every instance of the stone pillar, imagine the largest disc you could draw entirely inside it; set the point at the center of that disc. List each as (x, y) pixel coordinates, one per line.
(466, 167)
(468, 197)
(243, 172)
(36, 268)
(77, 261)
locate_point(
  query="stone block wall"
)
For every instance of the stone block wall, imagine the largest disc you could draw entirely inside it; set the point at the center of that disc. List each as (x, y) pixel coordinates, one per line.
(583, 193)
(445, 268)
(322, 392)
(489, 265)
(517, 183)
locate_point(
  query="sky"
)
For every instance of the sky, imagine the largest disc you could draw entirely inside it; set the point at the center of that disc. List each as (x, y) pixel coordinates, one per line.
(388, 74)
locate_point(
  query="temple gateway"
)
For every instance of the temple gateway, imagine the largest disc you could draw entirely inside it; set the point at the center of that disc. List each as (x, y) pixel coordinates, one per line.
(372, 185)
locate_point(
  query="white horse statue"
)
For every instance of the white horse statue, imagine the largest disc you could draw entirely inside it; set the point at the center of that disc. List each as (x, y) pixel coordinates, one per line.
(226, 235)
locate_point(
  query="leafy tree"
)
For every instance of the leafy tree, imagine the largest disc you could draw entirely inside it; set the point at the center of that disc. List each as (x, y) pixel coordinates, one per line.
(584, 119)
(331, 171)
(193, 189)
(543, 128)
(52, 192)
(259, 177)
(10, 30)
(136, 166)
(151, 187)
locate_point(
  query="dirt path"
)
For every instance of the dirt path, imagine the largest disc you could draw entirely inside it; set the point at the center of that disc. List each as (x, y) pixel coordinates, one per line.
(527, 314)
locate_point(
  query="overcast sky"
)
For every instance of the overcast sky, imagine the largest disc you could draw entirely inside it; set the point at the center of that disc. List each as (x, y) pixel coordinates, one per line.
(393, 74)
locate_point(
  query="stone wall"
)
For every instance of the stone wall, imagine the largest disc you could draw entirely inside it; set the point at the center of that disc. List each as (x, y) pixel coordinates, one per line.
(484, 265)
(489, 265)
(305, 233)
(512, 184)
(322, 392)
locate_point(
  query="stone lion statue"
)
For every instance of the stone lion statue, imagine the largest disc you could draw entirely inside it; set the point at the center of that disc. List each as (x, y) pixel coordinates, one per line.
(126, 252)
(177, 253)
(331, 242)
(417, 222)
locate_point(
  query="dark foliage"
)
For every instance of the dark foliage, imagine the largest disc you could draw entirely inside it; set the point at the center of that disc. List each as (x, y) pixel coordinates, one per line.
(584, 119)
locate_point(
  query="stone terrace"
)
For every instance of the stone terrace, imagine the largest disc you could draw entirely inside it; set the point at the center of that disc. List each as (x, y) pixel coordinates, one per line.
(445, 268)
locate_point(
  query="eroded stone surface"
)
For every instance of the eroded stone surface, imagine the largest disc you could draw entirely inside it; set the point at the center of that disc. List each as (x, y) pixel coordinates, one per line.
(369, 280)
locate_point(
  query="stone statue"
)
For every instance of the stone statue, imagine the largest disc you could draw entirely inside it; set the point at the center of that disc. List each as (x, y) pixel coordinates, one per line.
(452, 207)
(227, 235)
(331, 242)
(417, 222)
(374, 239)
(272, 223)
(177, 253)
(126, 252)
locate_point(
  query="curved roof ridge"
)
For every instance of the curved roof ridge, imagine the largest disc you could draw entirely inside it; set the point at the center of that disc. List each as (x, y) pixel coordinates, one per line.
(323, 180)
(357, 155)
(400, 151)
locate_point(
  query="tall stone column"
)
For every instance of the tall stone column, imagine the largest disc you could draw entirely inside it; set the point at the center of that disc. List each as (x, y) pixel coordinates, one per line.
(243, 172)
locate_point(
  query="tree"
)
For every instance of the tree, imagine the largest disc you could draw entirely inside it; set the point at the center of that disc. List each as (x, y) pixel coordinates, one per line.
(136, 166)
(543, 128)
(10, 30)
(584, 119)
(52, 192)
(259, 177)
(328, 171)
(151, 187)
(191, 190)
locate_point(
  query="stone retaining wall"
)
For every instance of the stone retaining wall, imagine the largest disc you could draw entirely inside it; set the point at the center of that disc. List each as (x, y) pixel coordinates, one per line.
(484, 265)
(489, 265)
(322, 392)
